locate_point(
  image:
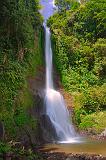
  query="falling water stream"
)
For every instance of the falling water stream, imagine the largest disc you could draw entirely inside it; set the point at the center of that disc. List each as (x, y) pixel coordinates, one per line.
(56, 109)
(68, 141)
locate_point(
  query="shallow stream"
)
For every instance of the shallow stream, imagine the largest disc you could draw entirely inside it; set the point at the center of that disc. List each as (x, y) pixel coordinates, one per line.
(88, 146)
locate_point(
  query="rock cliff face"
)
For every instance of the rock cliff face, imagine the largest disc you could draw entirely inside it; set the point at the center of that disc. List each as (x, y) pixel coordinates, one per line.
(46, 130)
(49, 132)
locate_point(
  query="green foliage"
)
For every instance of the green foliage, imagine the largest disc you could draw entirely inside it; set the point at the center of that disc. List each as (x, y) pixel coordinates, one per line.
(90, 100)
(20, 53)
(79, 45)
(95, 98)
(95, 122)
(4, 148)
(64, 5)
(11, 79)
(21, 152)
(89, 20)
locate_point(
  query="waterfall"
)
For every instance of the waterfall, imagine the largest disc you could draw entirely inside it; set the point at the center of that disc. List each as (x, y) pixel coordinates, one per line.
(55, 107)
(48, 59)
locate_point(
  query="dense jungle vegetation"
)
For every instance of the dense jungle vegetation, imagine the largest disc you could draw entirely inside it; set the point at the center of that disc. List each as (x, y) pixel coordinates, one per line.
(20, 39)
(79, 45)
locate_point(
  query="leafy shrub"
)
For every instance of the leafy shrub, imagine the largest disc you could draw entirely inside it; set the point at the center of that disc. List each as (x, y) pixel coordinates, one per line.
(79, 46)
(20, 53)
(95, 122)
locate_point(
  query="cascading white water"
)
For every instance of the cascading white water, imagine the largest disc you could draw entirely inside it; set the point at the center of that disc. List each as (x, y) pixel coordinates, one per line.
(48, 57)
(54, 102)
(55, 106)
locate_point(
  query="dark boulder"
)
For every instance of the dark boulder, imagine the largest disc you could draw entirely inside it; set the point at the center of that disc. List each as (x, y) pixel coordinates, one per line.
(49, 131)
